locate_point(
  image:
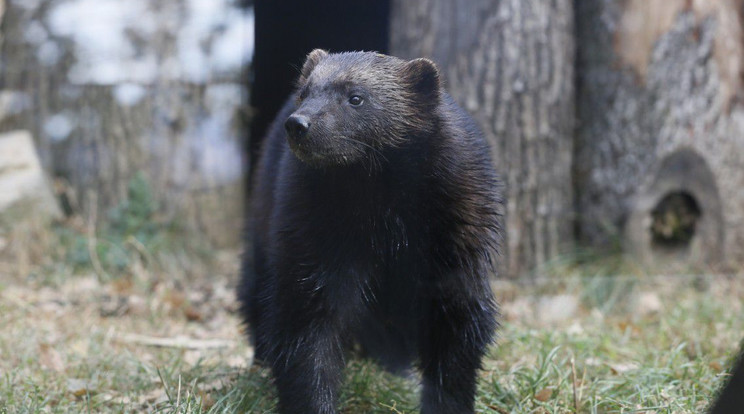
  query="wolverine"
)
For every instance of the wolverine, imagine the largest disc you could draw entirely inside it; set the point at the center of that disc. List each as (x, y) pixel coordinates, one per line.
(374, 225)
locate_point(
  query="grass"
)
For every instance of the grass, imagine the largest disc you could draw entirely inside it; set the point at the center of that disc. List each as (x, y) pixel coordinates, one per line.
(64, 349)
(77, 337)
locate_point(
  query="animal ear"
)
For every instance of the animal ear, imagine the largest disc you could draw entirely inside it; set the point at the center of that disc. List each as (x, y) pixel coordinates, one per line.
(312, 60)
(422, 76)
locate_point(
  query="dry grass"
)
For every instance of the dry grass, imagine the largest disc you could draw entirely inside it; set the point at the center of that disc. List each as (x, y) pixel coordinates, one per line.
(160, 333)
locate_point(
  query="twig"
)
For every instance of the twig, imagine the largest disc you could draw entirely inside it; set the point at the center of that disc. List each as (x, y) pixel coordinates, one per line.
(94, 260)
(176, 342)
(141, 249)
(178, 395)
(573, 380)
(392, 408)
(583, 381)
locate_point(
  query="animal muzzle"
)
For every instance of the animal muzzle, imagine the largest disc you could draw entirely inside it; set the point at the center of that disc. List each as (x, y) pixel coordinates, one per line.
(297, 126)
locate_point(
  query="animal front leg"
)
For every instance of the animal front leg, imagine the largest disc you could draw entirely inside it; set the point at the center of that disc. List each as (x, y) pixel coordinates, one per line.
(458, 332)
(308, 371)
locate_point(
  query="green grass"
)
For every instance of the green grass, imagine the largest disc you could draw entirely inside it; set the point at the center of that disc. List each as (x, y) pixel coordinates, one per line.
(55, 339)
(68, 334)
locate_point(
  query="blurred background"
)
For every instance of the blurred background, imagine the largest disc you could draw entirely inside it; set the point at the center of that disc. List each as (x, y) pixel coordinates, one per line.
(616, 125)
(128, 130)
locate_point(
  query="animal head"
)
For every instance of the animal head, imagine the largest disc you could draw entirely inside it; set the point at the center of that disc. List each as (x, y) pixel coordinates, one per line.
(354, 107)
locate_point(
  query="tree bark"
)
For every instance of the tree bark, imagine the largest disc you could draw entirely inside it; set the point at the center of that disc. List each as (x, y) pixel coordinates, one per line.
(659, 97)
(135, 87)
(2, 12)
(510, 64)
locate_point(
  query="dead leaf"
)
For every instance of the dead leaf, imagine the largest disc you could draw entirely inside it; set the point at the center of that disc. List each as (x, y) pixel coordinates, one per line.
(715, 366)
(123, 286)
(593, 362)
(240, 361)
(113, 306)
(174, 299)
(206, 400)
(621, 368)
(192, 357)
(80, 347)
(648, 303)
(691, 350)
(557, 308)
(50, 358)
(498, 409)
(153, 397)
(193, 314)
(215, 384)
(575, 329)
(137, 305)
(117, 400)
(177, 342)
(79, 387)
(626, 325)
(544, 394)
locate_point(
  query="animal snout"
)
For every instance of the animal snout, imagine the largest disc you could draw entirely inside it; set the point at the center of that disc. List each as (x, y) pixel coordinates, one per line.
(297, 126)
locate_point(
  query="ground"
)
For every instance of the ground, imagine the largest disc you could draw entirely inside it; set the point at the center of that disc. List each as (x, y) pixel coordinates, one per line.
(154, 337)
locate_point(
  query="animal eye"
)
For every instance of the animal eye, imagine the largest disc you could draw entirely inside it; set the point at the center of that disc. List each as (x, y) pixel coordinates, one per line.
(303, 94)
(356, 100)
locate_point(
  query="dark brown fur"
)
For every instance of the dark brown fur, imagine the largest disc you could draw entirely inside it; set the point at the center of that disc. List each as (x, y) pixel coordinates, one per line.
(375, 226)
(730, 398)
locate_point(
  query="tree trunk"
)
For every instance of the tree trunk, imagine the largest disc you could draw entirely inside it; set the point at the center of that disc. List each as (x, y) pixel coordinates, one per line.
(133, 87)
(2, 12)
(661, 119)
(510, 64)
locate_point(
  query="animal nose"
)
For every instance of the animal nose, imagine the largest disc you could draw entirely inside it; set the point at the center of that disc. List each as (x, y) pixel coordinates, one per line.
(297, 126)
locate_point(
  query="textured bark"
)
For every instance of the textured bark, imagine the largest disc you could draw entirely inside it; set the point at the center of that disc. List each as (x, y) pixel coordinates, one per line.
(510, 64)
(2, 12)
(95, 131)
(659, 96)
